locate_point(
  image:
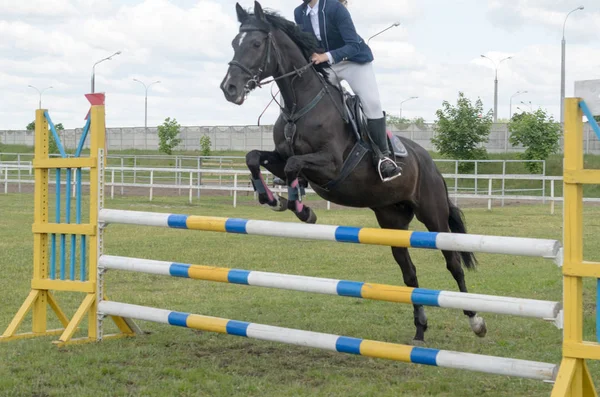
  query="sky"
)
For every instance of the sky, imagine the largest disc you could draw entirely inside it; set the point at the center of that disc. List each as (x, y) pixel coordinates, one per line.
(186, 45)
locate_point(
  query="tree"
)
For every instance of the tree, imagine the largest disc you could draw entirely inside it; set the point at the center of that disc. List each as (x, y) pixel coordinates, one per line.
(403, 123)
(31, 126)
(538, 133)
(52, 146)
(167, 135)
(597, 118)
(461, 130)
(205, 145)
(400, 123)
(420, 123)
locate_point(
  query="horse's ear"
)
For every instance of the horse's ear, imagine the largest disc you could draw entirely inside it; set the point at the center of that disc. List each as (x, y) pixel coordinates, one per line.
(258, 12)
(241, 13)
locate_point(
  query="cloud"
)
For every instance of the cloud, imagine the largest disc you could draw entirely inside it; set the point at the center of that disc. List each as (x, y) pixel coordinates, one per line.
(187, 45)
(37, 9)
(582, 25)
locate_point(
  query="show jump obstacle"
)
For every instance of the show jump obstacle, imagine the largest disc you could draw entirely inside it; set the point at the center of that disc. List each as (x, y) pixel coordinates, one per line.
(87, 264)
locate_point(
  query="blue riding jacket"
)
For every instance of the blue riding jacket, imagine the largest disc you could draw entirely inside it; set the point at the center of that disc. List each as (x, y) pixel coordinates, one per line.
(338, 34)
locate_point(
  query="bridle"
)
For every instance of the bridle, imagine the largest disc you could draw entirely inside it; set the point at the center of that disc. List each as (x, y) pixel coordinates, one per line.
(255, 80)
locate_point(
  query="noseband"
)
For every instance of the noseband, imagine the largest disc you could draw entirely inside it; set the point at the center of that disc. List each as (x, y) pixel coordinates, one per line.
(255, 79)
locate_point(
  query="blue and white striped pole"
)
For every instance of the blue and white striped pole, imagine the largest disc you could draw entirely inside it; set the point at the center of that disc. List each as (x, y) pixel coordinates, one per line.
(342, 344)
(454, 300)
(388, 237)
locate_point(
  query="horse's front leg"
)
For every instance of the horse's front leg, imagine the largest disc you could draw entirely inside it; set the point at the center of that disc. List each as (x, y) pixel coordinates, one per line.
(273, 163)
(321, 163)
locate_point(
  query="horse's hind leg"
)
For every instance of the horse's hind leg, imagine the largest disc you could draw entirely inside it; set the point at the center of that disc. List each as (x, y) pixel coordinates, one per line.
(399, 216)
(436, 219)
(273, 162)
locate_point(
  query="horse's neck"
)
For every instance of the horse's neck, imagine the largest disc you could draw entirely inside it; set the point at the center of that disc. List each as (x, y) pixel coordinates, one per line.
(296, 91)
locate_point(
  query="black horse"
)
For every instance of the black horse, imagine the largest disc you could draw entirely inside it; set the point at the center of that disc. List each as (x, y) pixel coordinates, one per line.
(313, 139)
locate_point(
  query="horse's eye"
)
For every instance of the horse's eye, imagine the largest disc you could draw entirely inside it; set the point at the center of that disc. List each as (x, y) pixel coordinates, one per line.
(257, 44)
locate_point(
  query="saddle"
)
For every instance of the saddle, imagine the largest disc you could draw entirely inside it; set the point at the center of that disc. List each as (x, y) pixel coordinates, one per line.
(358, 121)
(355, 116)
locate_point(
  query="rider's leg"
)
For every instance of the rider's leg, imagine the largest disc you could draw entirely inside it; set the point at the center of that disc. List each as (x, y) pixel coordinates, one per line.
(361, 78)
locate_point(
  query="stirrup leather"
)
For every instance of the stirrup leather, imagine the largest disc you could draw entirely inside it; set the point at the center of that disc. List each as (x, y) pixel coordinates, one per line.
(381, 161)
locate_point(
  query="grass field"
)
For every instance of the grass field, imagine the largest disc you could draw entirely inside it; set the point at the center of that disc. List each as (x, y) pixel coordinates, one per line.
(171, 361)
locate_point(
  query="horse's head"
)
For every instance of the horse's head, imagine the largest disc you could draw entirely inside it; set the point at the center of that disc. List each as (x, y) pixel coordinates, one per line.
(252, 60)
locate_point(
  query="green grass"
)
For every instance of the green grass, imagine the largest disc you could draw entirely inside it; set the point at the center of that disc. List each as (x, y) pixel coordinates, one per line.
(174, 361)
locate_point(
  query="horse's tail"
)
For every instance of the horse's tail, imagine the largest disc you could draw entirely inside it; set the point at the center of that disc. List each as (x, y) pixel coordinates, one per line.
(456, 221)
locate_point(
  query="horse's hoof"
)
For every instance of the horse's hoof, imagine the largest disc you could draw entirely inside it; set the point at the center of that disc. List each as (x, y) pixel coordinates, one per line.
(278, 181)
(307, 215)
(312, 217)
(478, 326)
(418, 342)
(280, 204)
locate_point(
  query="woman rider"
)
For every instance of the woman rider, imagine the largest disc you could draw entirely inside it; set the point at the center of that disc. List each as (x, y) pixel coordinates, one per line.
(351, 60)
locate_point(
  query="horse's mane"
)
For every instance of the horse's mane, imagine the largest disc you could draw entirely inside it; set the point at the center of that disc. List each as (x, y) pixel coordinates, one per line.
(306, 42)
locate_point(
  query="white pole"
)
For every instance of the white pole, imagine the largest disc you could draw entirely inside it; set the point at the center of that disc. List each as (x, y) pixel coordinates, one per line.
(191, 185)
(552, 197)
(122, 176)
(503, 180)
(456, 182)
(74, 187)
(544, 248)
(19, 171)
(439, 358)
(235, 185)
(151, 183)
(112, 184)
(476, 173)
(490, 195)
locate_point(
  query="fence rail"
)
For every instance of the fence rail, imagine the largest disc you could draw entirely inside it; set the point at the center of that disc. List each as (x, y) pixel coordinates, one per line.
(234, 181)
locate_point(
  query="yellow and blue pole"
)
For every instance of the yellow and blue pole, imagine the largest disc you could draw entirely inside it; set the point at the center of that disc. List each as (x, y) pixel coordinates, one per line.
(545, 310)
(342, 344)
(344, 234)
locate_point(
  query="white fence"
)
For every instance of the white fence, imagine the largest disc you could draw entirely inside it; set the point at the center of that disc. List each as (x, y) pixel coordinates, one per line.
(234, 181)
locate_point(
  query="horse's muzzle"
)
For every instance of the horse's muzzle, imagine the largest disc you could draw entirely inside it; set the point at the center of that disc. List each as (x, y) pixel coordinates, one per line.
(233, 89)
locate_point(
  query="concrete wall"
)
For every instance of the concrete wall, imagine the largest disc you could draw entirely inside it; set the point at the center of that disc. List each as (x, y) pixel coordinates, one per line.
(245, 138)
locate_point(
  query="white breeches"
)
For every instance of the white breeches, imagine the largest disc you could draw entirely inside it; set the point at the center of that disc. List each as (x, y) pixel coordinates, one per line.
(361, 78)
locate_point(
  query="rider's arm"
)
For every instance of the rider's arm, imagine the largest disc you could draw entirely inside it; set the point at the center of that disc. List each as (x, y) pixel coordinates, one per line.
(298, 16)
(344, 23)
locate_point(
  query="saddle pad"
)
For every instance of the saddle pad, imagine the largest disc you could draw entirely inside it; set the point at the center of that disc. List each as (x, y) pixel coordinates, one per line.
(397, 145)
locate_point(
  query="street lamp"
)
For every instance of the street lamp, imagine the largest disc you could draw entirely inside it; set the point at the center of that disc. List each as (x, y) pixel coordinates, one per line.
(40, 92)
(511, 98)
(94, 68)
(388, 28)
(406, 100)
(146, 102)
(528, 105)
(496, 85)
(146, 110)
(562, 67)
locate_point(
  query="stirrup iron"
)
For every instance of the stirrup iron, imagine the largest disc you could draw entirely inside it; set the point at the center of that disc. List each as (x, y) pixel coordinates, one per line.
(381, 161)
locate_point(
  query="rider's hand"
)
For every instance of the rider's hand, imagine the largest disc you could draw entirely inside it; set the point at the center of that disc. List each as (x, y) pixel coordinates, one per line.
(319, 58)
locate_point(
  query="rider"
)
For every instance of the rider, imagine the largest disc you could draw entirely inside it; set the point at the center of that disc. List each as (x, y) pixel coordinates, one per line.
(351, 60)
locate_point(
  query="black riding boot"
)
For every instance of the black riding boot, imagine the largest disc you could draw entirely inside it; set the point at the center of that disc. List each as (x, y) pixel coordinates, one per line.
(387, 167)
